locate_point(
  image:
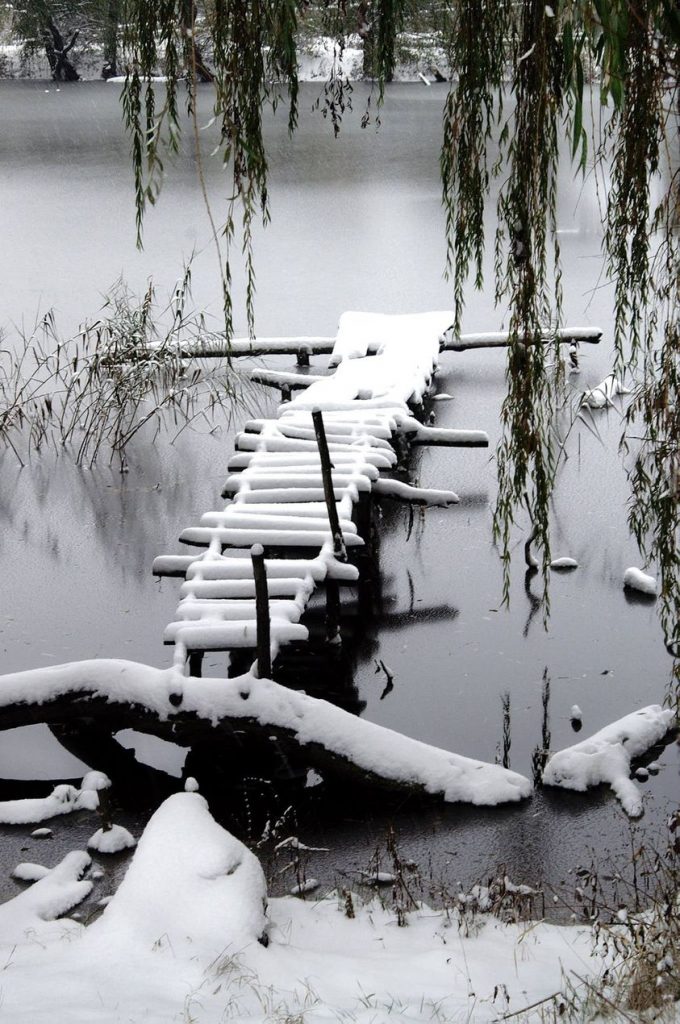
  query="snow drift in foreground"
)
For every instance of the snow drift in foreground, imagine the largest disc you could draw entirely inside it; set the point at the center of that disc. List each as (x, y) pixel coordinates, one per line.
(376, 751)
(606, 756)
(179, 941)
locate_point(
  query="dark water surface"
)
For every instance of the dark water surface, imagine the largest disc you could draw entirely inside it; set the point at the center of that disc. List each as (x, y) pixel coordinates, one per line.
(357, 224)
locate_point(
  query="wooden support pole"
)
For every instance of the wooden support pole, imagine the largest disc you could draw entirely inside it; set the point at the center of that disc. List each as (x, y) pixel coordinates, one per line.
(264, 652)
(328, 489)
(196, 664)
(333, 635)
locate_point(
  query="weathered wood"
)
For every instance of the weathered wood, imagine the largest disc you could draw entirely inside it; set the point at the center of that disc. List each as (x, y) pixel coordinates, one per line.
(500, 339)
(328, 489)
(264, 655)
(218, 347)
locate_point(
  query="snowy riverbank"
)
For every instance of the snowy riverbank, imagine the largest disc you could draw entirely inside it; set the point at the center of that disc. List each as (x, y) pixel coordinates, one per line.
(189, 936)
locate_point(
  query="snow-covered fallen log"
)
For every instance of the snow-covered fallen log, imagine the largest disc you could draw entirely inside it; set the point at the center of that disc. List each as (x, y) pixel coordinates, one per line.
(332, 739)
(606, 756)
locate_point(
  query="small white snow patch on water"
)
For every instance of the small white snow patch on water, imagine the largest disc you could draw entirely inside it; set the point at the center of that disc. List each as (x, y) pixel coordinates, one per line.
(442, 397)
(313, 779)
(576, 714)
(564, 563)
(309, 885)
(636, 579)
(191, 785)
(27, 872)
(41, 833)
(111, 840)
(378, 878)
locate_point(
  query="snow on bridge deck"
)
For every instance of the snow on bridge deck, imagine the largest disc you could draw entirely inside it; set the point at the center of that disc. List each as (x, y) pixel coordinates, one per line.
(275, 487)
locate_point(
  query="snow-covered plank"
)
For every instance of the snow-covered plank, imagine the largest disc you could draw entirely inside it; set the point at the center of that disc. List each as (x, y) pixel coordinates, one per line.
(288, 495)
(214, 635)
(374, 434)
(197, 609)
(229, 589)
(383, 459)
(308, 509)
(244, 520)
(235, 538)
(500, 339)
(286, 482)
(606, 756)
(405, 492)
(283, 378)
(276, 443)
(277, 568)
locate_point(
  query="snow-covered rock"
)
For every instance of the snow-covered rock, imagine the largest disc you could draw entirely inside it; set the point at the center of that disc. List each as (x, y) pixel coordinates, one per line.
(564, 563)
(28, 872)
(111, 840)
(190, 883)
(636, 579)
(606, 756)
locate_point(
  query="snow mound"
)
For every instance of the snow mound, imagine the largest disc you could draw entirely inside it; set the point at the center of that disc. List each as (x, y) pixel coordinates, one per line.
(27, 872)
(636, 579)
(606, 756)
(190, 884)
(29, 914)
(111, 840)
(564, 563)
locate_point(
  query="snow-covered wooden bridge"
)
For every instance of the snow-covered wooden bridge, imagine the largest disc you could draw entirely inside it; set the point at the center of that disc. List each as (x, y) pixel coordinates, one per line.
(300, 484)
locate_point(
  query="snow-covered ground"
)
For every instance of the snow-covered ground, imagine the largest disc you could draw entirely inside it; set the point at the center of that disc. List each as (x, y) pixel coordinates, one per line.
(189, 936)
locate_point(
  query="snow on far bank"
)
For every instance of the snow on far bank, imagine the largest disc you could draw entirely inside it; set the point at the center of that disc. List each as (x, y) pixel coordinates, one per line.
(375, 750)
(179, 941)
(606, 756)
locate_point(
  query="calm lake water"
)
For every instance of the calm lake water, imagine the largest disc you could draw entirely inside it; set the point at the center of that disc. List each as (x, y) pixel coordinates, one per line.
(357, 224)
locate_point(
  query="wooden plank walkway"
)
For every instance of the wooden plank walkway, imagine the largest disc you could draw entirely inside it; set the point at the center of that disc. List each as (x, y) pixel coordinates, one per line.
(276, 493)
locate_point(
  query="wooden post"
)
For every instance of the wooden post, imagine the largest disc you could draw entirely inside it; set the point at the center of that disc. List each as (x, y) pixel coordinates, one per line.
(195, 665)
(303, 354)
(326, 467)
(264, 652)
(333, 634)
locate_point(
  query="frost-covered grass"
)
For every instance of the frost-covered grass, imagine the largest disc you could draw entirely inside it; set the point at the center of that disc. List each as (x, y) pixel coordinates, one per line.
(189, 936)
